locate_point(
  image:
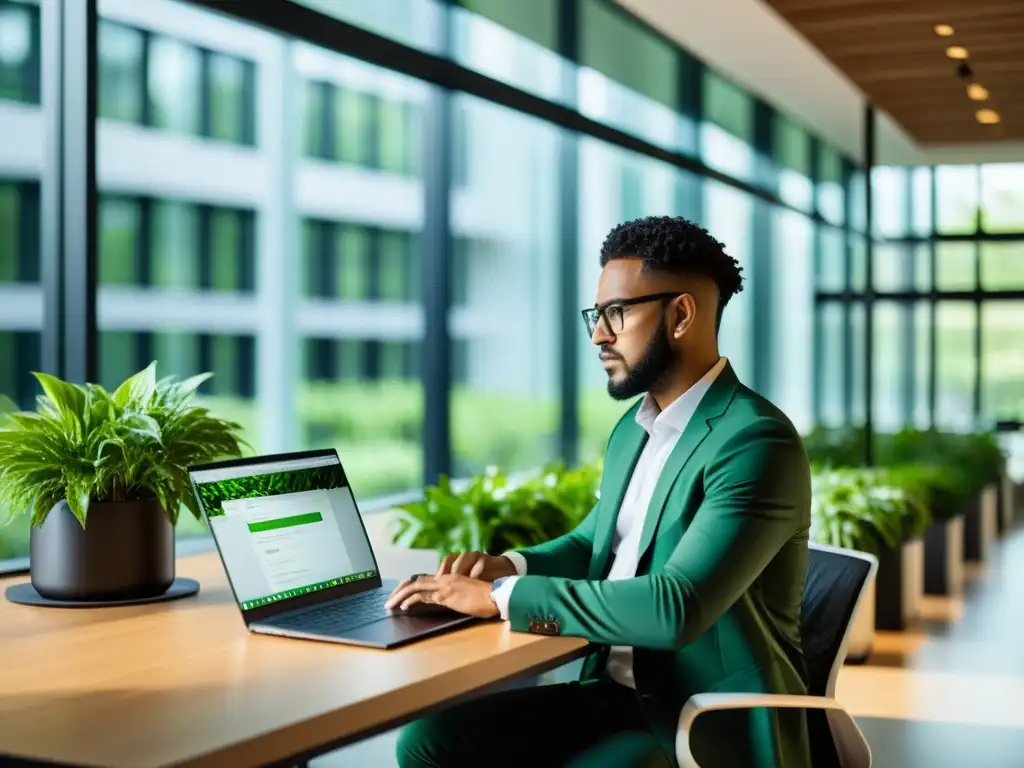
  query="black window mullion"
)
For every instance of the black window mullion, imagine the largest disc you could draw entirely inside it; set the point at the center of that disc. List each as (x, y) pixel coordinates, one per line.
(28, 268)
(205, 235)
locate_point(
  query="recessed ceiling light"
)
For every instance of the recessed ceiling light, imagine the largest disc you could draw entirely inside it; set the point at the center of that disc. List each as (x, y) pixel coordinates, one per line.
(943, 30)
(956, 52)
(977, 92)
(987, 116)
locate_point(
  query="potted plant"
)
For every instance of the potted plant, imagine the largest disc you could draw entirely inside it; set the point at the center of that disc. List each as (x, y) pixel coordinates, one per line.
(940, 491)
(494, 513)
(104, 476)
(861, 509)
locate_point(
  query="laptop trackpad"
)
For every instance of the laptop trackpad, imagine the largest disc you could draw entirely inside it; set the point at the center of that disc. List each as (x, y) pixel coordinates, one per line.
(399, 629)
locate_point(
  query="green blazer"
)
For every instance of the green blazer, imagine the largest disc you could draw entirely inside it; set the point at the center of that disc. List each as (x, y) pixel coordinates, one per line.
(715, 604)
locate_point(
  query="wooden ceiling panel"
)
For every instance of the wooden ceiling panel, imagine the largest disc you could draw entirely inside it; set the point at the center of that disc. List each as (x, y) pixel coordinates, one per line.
(889, 49)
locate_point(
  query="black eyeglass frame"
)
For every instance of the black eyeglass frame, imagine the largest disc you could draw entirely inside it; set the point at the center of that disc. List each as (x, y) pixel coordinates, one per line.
(593, 315)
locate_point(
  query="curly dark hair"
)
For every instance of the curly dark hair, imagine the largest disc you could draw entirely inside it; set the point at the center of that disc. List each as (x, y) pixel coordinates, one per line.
(674, 244)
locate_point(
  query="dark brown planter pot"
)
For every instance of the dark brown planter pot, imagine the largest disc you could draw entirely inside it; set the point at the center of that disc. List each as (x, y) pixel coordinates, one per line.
(943, 557)
(899, 585)
(980, 525)
(125, 552)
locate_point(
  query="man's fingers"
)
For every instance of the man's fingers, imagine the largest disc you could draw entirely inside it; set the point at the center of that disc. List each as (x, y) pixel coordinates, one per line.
(446, 563)
(478, 568)
(404, 591)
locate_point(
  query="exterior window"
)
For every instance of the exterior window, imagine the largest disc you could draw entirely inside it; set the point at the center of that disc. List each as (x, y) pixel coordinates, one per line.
(19, 52)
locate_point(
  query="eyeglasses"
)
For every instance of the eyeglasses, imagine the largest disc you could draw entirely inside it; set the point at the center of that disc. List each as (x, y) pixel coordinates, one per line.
(615, 314)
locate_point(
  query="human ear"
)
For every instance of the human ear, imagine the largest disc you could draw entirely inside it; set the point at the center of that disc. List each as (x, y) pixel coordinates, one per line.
(684, 312)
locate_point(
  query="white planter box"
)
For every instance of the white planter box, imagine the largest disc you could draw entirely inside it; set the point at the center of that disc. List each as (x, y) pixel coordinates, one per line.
(862, 636)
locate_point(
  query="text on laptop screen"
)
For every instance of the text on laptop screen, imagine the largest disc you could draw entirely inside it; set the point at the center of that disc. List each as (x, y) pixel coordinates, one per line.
(285, 528)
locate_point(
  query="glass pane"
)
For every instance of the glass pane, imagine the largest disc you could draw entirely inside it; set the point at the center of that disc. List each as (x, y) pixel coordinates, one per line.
(831, 364)
(1002, 266)
(893, 267)
(954, 266)
(858, 264)
(726, 132)
(416, 23)
(121, 91)
(857, 201)
(890, 362)
(512, 42)
(505, 407)
(831, 192)
(890, 189)
(921, 181)
(858, 338)
(923, 267)
(266, 267)
(176, 243)
(832, 267)
(21, 318)
(792, 333)
(19, 53)
(956, 199)
(174, 85)
(954, 365)
(1002, 197)
(228, 107)
(922, 364)
(729, 217)
(792, 153)
(1002, 371)
(120, 241)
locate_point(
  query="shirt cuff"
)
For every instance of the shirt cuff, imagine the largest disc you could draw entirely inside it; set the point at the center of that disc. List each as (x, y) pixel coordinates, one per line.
(518, 561)
(501, 592)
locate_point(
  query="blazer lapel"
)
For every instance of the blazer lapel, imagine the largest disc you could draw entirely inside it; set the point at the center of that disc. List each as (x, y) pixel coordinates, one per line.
(712, 405)
(618, 469)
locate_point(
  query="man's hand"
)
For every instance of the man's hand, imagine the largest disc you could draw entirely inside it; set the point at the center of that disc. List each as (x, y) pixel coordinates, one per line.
(460, 593)
(478, 565)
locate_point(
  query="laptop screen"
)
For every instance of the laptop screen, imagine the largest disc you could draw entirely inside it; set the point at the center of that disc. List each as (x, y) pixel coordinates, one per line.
(284, 528)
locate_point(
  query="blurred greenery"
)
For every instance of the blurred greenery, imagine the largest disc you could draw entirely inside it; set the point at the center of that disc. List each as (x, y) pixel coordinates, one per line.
(494, 513)
(864, 509)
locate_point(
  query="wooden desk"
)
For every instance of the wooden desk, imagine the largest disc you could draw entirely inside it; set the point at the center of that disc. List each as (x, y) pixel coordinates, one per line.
(184, 684)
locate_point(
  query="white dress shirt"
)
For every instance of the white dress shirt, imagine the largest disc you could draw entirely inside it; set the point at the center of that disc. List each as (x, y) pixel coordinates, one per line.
(664, 429)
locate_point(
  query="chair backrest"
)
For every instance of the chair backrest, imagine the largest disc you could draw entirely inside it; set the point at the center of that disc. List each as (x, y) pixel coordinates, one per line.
(834, 585)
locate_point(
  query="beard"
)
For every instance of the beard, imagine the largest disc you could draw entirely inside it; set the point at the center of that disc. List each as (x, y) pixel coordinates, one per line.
(652, 367)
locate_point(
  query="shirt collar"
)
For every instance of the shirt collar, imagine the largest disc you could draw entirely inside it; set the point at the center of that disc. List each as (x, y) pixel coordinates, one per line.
(681, 410)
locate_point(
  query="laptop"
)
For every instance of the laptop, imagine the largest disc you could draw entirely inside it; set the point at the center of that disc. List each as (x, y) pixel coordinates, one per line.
(297, 554)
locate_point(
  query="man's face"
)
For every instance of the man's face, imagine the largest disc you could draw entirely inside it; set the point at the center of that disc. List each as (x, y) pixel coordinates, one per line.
(633, 338)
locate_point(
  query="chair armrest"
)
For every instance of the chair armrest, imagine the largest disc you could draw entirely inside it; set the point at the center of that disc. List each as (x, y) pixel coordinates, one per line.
(851, 746)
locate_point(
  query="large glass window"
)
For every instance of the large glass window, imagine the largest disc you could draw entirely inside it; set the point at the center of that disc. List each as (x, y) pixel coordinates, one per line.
(512, 42)
(889, 370)
(955, 266)
(19, 50)
(1002, 266)
(122, 92)
(728, 128)
(175, 93)
(22, 149)
(792, 155)
(505, 408)
(629, 77)
(413, 22)
(1002, 367)
(831, 188)
(956, 199)
(955, 364)
(831, 363)
(792, 317)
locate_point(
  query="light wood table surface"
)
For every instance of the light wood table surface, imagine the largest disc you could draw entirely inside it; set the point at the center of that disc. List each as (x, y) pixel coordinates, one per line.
(183, 683)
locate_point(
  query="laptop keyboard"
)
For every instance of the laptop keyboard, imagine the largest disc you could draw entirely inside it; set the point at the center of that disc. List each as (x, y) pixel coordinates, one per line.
(341, 616)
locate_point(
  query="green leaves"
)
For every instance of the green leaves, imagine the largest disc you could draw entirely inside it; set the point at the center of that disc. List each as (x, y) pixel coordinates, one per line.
(85, 444)
(864, 509)
(495, 513)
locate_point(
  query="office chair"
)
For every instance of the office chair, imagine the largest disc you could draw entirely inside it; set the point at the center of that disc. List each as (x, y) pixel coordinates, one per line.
(834, 586)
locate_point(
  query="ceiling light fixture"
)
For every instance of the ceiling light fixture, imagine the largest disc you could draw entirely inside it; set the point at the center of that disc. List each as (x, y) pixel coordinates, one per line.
(956, 52)
(977, 92)
(987, 116)
(943, 30)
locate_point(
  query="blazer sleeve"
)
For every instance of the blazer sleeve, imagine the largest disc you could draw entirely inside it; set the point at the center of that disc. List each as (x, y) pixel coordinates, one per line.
(567, 556)
(757, 496)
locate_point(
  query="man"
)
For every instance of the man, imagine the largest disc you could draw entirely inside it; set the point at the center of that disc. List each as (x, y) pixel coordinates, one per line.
(687, 575)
